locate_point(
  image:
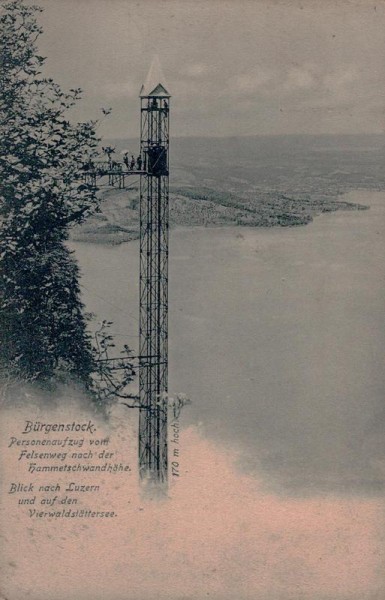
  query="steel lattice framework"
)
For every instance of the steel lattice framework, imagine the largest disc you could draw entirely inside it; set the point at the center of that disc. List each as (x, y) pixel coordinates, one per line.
(153, 170)
(153, 288)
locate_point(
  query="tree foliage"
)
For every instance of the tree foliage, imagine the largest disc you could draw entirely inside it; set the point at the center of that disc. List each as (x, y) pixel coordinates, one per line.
(43, 332)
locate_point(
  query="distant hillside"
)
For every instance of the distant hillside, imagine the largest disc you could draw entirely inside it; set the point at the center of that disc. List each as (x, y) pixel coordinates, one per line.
(254, 181)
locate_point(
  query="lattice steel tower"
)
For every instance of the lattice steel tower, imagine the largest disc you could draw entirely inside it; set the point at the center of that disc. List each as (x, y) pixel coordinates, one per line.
(153, 287)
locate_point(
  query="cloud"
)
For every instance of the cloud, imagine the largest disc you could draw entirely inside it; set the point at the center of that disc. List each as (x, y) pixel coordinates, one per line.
(274, 50)
(219, 535)
(116, 90)
(196, 69)
(246, 83)
(299, 78)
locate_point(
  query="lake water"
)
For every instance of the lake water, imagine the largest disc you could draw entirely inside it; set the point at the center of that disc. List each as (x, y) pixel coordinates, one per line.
(277, 336)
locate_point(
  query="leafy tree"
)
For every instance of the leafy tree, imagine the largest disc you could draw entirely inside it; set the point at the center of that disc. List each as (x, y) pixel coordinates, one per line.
(43, 331)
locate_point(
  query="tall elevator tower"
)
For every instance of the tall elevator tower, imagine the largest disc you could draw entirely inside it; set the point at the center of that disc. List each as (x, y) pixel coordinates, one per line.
(153, 286)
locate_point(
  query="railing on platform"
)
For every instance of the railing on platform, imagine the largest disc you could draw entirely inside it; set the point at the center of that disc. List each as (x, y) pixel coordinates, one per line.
(116, 173)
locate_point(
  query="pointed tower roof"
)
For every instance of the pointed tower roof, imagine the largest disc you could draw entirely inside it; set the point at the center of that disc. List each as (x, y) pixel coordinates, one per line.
(155, 84)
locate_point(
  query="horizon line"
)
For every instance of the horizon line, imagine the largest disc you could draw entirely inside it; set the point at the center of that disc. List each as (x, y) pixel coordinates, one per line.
(252, 135)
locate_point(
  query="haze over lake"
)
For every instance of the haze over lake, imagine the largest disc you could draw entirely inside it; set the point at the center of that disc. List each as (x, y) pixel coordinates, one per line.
(276, 335)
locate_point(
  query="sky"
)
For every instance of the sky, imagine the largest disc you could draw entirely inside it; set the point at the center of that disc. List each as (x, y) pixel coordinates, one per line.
(233, 67)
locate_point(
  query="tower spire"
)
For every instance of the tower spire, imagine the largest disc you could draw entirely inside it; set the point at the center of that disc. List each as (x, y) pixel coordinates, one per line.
(155, 83)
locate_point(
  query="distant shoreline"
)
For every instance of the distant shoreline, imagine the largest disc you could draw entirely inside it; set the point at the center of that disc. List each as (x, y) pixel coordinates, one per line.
(256, 181)
(213, 209)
